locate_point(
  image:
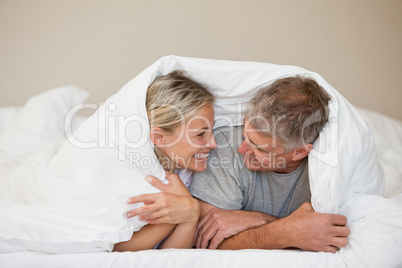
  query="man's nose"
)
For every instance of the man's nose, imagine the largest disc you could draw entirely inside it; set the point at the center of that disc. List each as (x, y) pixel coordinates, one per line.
(243, 147)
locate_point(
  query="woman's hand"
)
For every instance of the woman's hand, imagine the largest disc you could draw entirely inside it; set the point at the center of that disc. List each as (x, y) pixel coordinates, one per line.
(173, 205)
(174, 185)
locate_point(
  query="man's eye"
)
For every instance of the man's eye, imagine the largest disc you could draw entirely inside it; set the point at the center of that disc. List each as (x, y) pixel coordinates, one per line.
(201, 134)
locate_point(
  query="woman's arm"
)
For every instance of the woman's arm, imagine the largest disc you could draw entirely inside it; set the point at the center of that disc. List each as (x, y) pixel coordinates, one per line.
(146, 238)
(174, 205)
(182, 236)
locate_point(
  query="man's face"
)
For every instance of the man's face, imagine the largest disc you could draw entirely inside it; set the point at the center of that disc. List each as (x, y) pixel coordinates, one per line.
(263, 153)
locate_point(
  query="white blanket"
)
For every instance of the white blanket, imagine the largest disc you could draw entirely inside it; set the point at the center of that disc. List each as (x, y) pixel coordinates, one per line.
(81, 192)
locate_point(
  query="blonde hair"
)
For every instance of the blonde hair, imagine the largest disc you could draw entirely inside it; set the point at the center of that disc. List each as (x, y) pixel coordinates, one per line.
(172, 99)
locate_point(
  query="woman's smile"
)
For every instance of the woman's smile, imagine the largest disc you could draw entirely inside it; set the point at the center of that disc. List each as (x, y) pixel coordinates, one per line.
(191, 150)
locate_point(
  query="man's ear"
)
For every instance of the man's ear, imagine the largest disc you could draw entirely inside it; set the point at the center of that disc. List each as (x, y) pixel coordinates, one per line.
(302, 152)
(156, 135)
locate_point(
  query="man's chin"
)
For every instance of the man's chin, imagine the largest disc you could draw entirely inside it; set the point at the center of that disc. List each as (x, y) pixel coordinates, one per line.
(253, 166)
(256, 166)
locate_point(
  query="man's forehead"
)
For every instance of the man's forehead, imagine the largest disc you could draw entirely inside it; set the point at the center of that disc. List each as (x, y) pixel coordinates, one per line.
(250, 129)
(255, 137)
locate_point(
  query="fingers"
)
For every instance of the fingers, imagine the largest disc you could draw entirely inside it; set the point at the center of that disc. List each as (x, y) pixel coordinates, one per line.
(339, 242)
(173, 178)
(206, 236)
(158, 221)
(151, 217)
(142, 210)
(339, 219)
(216, 241)
(331, 249)
(210, 237)
(201, 227)
(206, 232)
(341, 231)
(143, 198)
(174, 185)
(155, 182)
(150, 204)
(201, 237)
(203, 220)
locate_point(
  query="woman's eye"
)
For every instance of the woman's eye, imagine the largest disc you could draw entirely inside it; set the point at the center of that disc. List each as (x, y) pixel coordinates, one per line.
(201, 134)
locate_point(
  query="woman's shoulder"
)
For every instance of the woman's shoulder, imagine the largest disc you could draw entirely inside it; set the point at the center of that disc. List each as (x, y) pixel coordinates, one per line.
(186, 175)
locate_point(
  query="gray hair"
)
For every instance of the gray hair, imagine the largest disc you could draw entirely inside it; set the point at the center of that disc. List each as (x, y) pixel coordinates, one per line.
(293, 110)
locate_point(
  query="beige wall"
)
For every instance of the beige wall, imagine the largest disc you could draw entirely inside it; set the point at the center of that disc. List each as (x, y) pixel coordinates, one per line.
(100, 45)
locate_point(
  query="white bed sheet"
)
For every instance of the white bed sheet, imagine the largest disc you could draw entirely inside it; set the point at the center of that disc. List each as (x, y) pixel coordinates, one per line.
(193, 258)
(388, 137)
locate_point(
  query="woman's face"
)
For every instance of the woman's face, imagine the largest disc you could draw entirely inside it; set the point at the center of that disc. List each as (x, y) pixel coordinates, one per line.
(189, 145)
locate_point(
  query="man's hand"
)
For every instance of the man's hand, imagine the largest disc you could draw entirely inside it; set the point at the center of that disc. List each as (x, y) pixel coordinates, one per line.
(218, 224)
(315, 231)
(304, 229)
(173, 205)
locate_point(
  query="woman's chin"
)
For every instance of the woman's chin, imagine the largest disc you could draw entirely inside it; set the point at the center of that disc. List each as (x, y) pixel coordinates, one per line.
(198, 167)
(193, 164)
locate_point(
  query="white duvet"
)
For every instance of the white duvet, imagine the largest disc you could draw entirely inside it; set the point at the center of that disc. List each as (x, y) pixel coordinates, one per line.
(69, 196)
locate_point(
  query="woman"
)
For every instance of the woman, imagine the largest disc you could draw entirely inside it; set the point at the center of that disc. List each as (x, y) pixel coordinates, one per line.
(181, 117)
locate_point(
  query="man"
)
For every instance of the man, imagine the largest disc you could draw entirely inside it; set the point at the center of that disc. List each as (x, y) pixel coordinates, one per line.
(255, 192)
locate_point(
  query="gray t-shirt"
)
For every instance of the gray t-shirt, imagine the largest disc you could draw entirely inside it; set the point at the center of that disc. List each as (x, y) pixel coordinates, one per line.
(228, 184)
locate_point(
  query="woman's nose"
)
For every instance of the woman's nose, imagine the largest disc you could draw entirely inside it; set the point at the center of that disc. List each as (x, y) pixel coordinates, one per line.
(212, 143)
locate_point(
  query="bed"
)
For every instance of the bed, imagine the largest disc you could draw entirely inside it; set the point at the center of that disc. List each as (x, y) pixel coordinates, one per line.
(375, 220)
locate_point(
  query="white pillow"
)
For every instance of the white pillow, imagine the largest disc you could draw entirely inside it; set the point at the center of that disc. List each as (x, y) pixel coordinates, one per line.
(41, 120)
(27, 143)
(375, 238)
(388, 140)
(7, 114)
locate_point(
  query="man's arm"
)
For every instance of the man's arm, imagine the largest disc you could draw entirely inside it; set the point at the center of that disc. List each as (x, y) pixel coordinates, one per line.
(304, 229)
(216, 224)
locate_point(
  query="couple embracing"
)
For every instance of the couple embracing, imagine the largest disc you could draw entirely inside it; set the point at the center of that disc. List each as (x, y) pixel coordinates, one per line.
(234, 187)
